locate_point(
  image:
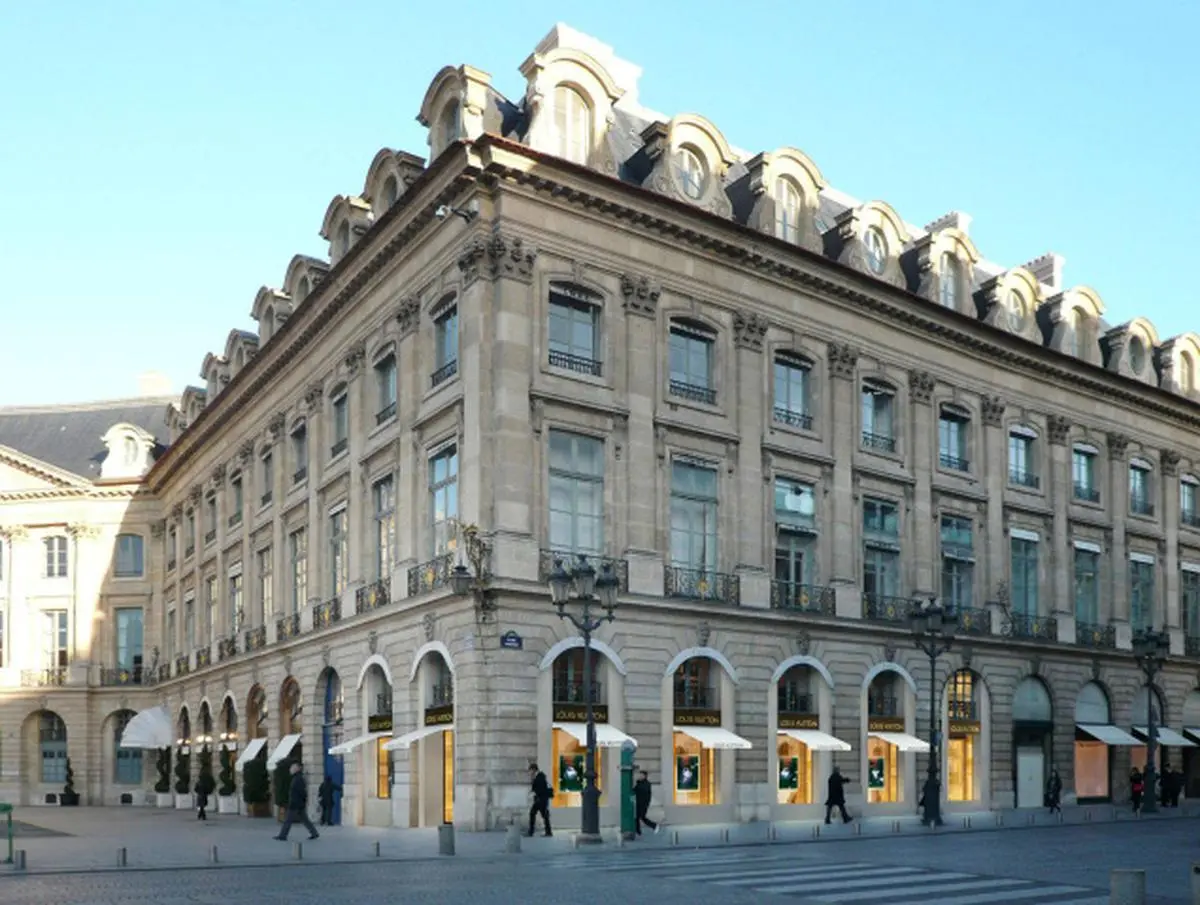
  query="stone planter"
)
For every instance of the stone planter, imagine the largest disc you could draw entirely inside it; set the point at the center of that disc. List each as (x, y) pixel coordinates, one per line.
(164, 800)
(183, 802)
(227, 804)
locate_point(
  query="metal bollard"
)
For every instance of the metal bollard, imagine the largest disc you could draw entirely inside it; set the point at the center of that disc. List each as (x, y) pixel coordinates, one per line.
(1128, 887)
(858, 828)
(999, 820)
(298, 851)
(1087, 816)
(213, 857)
(1032, 819)
(19, 859)
(1061, 817)
(895, 826)
(1196, 883)
(446, 839)
(674, 837)
(724, 834)
(375, 851)
(817, 831)
(772, 833)
(121, 860)
(512, 839)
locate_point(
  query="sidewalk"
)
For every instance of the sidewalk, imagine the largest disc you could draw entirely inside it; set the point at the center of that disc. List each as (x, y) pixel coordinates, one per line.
(64, 840)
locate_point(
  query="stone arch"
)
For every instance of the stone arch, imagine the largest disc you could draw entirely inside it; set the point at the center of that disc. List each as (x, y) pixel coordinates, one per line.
(1090, 696)
(691, 128)
(258, 711)
(880, 668)
(1033, 710)
(803, 660)
(374, 660)
(574, 642)
(1137, 714)
(424, 650)
(303, 269)
(703, 652)
(183, 725)
(291, 706)
(1191, 710)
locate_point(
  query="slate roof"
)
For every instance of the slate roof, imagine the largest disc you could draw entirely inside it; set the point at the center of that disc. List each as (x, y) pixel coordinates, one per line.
(69, 436)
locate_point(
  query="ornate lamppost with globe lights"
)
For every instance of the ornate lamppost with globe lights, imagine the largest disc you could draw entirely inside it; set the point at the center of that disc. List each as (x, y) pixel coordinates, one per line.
(933, 626)
(1150, 650)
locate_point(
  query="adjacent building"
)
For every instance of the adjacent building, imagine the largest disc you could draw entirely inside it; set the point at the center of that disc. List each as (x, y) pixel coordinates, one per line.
(773, 413)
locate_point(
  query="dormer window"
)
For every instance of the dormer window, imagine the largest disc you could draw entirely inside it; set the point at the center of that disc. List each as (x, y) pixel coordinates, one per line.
(302, 290)
(1186, 373)
(691, 363)
(343, 238)
(391, 192)
(875, 246)
(789, 205)
(129, 449)
(448, 127)
(572, 125)
(693, 174)
(1015, 306)
(950, 275)
(1137, 355)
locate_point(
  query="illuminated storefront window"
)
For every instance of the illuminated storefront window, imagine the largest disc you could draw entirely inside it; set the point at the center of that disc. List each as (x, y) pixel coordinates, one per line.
(962, 737)
(795, 772)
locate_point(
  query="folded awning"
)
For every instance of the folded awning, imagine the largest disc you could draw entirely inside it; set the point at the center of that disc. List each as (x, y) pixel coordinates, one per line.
(1110, 735)
(1165, 736)
(282, 750)
(149, 729)
(249, 752)
(347, 747)
(816, 741)
(713, 737)
(606, 736)
(1192, 733)
(415, 736)
(903, 741)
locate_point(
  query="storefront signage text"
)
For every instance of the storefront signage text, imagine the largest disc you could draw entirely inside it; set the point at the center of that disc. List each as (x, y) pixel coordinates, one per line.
(439, 716)
(381, 722)
(697, 717)
(964, 727)
(577, 713)
(879, 724)
(793, 721)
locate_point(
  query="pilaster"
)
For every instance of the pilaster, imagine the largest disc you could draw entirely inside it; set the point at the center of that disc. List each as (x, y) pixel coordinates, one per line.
(314, 403)
(408, 395)
(1062, 560)
(749, 332)
(1168, 550)
(641, 360)
(280, 564)
(843, 367)
(995, 470)
(357, 494)
(251, 608)
(1118, 504)
(921, 529)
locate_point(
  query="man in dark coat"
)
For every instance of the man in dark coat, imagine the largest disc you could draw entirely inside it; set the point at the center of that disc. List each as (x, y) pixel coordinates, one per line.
(325, 799)
(542, 793)
(201, 799)
(642, 794)
(297, 809)
(836, 795)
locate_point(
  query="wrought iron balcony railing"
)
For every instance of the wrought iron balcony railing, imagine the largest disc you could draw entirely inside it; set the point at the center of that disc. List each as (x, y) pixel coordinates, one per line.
(882, 705)
(576, 363)
(791, 418)
(885, 608)
(203, 656)
(111, 676)
(802, 598)
(287, 626)
(880, 442)
(430, 575)
(373, 596)
(1023, 477)
(1086, 492)
(54, 677)
(338, 447)
(1038, 628)
(441, 694)
(695, 698)
(444, 373)
(973, 621)
(693, 393)
(227, 647)
(953, 463)
(183, 665)
(299, 475)
(702, 584)
(387, 413)
(574, 693)
(255, 638)
(327, 613)
(1191, 645)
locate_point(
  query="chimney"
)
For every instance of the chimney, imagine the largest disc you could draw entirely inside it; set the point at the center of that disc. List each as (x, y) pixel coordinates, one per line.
(154, 383)
(953, 220)
(1048, 269)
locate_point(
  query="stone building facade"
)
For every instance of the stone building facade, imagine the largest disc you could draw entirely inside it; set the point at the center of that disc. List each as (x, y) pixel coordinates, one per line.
(775, 413)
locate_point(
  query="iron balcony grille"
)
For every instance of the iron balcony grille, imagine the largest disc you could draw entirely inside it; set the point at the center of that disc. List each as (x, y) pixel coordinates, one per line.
(879, 442)
(882, 705)
(693, 697)
(693, 393)
(441, 694)
(203, 657)
(119, 675)
(1087, 493)
(170, 565)
(210, 535)
(299, 475)
(883, 608)
(1022, 477)
(373, 596)
(444, 373)
(227, 647)
(973, 621)
(1191, 519)
(1037, 628)
(954, 463)
(256, 638)
(287, 626)
(338, 447)
(328, 613)
(1139, 505)
(548, 558)
(235, 519)
(786, 416)
(54, 677)
(387, 413)
(164, 672)
(791, 701)
(182, 665)
(573, 693)
(189, 550)
(265, 499)
(803, 598)
(1191, 645)
(957, 709)
(430, 575)
(702, 584)
(576, 363)
(1092, 634)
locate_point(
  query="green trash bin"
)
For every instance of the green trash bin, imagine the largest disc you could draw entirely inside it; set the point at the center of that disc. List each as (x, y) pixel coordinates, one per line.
(6, 811)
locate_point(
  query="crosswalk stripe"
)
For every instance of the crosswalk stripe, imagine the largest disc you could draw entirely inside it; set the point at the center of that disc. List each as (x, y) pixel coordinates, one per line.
(927, 889)
(850, 884)
(642, 862)
(815, 870)
(1009, 895)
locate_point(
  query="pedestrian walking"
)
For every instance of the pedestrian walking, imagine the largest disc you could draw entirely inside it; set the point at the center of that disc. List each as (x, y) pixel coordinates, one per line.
(1054, 792)
(835, 796)
(642, 793)
(1164, 785)
(325, 798)
(1176, 787)
(201, 800)
(540, 789)
(1137, 788)
(297, 807)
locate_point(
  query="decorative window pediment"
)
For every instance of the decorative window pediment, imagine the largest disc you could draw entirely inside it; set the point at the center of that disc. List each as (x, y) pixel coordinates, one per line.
(130, 452)
(1178, 358)
(347, 219)
(945, 266)
(303, 275)
(454, 107)
(1130, 350)
(271, 309)
(689, 158)
(571, 96)
(1071, 323)
(215, 372)
(240, 347)
(192, 403)
(388, 178)
(1010, 301)
(786, 187)
(870, 239)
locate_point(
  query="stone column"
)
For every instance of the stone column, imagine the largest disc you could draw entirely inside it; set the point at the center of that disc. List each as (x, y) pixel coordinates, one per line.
(843, 364)
(1062, 557)
(280, 481)
(1168, 553)
(1118, 552)
(921, 528)
(995, 475)
(646, 456)
(173, 590)
(408, 447)
(225, 624)
(358, 494)
(314, 404)
(251, 608)
(746, 524)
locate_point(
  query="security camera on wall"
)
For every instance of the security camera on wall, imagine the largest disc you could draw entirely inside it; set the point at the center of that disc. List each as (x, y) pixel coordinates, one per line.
(442, 212)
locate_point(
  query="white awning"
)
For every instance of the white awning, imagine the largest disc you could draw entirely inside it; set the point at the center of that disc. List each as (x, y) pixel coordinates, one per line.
(1110, 735)
(606, 736)
(1168, 737)
(816, 741)
(149, 729)
(228, 745)
(713, 737)
(903, 741)
(347, 747)
(249, 752)
(415, 736)
(282, 750)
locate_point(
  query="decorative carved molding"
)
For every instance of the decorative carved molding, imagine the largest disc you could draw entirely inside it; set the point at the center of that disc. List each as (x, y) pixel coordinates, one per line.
(158, 528)
(537, 414)
(246, 452)
(469, 260)
(749, 330)
(1118, 445)
(641, 295)
(509, 257)
(428, 625)
(177, 512)
(967, 653)
(1059, 428)
(81, 531)
(14, 533)
(408, 315)
(1035, 666)
(218, 474)
(1170, 462)
(660, 442)
(275, 427)
(354, 359)
(1095, 670)
(843, 359)
(920, 386)
(803, 644)
(372, 641)
(287, 664)
(326, 654)
(703, 633)
(313, 397)
(194, 494)
(993, 408)
(889, 652)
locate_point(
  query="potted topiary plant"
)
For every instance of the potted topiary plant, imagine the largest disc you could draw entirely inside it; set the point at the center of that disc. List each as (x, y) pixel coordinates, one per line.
(162, 787)
(282, 781)
(256, 788)
(226, 799)
(183, 781)
(69, 797)
(206, 783)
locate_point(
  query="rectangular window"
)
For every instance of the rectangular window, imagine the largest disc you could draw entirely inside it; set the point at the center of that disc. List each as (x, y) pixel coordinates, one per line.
(878, 405)
(189, 625)
(1021, 469)
(129, 552)
(56, 556)
(339, 540)
(576, 493)
(340, 410)
(443, 498)
(237, 611)
(1189, 594)
(1139, 491)
(383, 494)
(384, 769)
(236, 500)
(1187, 504)
(385, 388)
(693, 517)
(795, 534)
(573, 333)
(299, 453)
(691, 364)
(958, 561)
(172, 634)
(55, 652)
(267, 473)
(189, 533)
(791, 394)
(298, 556)
(129, 640)
(952, 441)
(1141, 595)
(881, 519)
(881, 573)
(210, 519)
(128, 768)
(1024, 563)
(212, 612)
(266, 593)
(1083, 475)
(445, 346)
(1087, 587)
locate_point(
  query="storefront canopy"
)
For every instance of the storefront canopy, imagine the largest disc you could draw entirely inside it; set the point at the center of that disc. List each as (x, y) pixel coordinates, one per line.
(250, 752)
(347, 747)
(816, 741)
(1110, 735)
(606, 736)
(712, 737)
(416, 735)
(149, 729)
(282, 750)
(1168, 737)
(903, 741)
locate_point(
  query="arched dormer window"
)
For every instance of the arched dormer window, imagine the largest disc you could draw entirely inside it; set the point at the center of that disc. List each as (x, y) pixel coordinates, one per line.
(1187, 373)
(448, 128)
(343, 238)
(267, 328)
(692, 361)
(302, 290)
(391, 192)
(574, 329)
(1016, 310)
(950, 281)
(789, 208)
(1137, 355)
(691, 172)
(572, 125)
(876, 249)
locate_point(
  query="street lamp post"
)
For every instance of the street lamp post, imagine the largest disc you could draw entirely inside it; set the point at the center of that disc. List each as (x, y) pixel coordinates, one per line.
(1150, 649)
(589, 590)
(933, 628)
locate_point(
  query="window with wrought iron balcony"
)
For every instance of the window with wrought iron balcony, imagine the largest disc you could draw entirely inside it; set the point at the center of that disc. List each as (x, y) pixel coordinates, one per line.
(792, 392)
(878, 409)
(574, 330)
(953, 426)
(692, 354)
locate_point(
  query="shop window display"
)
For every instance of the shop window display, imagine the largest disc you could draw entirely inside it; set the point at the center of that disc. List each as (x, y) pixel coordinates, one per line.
(383, 768)
(570, 758)
(448, 777)
(795, 772)
(695, 772)
(883, 773)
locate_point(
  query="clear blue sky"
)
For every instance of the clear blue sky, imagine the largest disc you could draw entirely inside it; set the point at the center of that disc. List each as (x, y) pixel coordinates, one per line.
(159, 161)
